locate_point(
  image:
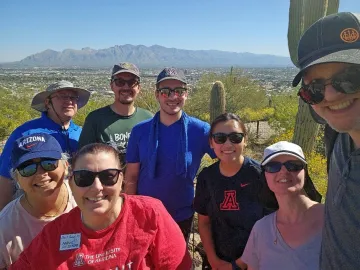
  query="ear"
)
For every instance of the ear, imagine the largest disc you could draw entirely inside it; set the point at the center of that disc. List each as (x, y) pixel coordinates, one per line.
(156, 93)
(47, 103)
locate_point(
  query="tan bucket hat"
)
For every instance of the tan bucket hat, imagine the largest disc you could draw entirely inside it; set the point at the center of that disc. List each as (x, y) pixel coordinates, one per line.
(38, 102)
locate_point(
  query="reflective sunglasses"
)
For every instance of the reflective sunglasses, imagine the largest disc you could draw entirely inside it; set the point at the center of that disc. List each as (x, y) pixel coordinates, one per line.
(347, 82)
(66, 97)
(30, 167)
(291, 166)
(234, 137)
(178, 91)
(130, 83)
(85, 178)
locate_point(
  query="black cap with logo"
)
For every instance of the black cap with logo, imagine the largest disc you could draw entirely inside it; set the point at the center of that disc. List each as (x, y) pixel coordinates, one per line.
(334, 38)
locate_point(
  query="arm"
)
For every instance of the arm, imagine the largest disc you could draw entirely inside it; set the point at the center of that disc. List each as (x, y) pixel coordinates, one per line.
(204, 225)
(131, 178)
(88, 133)
(6, 191)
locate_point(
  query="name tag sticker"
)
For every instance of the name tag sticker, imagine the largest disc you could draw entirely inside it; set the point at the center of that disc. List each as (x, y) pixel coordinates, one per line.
(70, 241)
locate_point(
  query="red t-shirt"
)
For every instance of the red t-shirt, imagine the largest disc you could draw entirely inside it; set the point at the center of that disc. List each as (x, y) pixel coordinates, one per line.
(144, 236)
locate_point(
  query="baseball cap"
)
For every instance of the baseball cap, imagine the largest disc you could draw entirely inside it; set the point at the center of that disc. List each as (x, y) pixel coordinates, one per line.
(283, 148)
(37, 145)
(125, 67)
(171, 74)
(38, 102)
(334, 38)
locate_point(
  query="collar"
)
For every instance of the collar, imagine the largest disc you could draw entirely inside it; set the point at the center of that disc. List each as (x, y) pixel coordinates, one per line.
(54, 125)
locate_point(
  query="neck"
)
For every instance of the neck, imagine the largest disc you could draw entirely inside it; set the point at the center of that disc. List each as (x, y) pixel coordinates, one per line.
(97, 222)
(51, 206)
(62, 122)
(231, 168)
(292, 208)
(169, 119)
(123, 109)
(355, 136)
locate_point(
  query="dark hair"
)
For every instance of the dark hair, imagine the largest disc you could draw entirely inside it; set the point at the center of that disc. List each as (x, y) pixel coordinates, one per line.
(268, 199)
(227, 117)
(95, 148)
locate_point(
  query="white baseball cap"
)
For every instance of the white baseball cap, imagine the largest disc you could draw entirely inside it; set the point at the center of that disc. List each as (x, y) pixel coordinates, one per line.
(283, 148)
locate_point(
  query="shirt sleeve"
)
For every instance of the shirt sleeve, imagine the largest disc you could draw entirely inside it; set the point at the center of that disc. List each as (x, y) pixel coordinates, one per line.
(88, 133)
(202, 196)
(5, 159)
(169, 250)
(250, 254)
(132, 150)
(206, 143)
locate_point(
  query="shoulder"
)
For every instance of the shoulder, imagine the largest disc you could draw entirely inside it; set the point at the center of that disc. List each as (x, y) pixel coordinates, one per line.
(198, 125)
(264, 224)
(210, 170)
(99, 112)
(7, 213)
(146, 124)
(144, 112)
(252, 164)
(144, 207)
(29, 125)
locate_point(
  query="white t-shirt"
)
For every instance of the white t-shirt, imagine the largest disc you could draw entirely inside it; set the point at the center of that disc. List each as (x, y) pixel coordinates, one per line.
(18, 228)
(266, 249)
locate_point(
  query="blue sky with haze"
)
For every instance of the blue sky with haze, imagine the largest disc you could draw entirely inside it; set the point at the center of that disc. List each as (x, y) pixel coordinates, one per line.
(257, 26)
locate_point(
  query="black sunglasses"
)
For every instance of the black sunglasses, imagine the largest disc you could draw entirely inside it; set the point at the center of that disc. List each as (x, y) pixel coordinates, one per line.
(291, 166)
(121, 82)
(234, 137)
(30, 167)
(347, 82)
(85, 178)
(178, 91)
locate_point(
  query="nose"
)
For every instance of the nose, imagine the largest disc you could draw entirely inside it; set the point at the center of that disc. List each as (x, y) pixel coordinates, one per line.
(97, 185)
(331, 94)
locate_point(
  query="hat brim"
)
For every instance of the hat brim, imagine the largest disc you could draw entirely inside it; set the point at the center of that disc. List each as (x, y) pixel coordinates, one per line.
(279, 153)
(171, 78)
(126, 71)
(38, 154)
(351, 56)
(38, 101)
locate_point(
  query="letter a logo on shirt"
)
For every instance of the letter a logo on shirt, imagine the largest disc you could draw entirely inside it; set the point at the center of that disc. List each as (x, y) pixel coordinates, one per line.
(229, 202)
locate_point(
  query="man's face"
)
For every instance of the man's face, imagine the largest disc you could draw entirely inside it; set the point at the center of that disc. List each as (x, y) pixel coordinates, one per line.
(341, 111)
(174, 103)
(63, 103)
(126, 87)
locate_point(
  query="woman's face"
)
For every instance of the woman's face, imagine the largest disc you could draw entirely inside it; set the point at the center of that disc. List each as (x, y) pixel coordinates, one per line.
(42, 183)
(228, 151)
(96, 199)
(284, 181)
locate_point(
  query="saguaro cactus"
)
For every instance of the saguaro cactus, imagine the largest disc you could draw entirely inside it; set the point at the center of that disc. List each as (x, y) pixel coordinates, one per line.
(302, 14)
(217, 100)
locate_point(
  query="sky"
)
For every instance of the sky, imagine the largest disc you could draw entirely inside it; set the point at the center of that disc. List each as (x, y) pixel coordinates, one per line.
(256, 26)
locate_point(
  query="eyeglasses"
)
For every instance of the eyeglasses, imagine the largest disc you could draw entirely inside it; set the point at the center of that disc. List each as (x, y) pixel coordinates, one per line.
(85, 178)
(291, 166)
(29, 168)
(66, 97)
(347, 82)
(234, 137)
(130, 83)
(178, 91)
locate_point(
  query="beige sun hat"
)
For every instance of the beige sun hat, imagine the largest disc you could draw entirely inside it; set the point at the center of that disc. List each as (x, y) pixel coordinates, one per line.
(38, 102)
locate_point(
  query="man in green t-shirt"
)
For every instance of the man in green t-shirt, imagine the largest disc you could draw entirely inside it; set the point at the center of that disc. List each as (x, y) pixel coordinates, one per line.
(112, 124)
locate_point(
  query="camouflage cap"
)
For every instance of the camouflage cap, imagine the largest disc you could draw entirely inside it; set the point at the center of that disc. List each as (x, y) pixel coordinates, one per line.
(171, 74)
(125, 67)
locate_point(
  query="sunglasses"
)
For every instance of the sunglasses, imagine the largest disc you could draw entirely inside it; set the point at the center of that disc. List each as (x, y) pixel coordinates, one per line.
(66, 98)
(178, 91)
(130, 83)
(29, 168)
(234, 137)
(347, 82)
(85, 178)
(291, 166)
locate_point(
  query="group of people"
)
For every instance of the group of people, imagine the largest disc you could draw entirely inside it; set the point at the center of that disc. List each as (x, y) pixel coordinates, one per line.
(119, 192)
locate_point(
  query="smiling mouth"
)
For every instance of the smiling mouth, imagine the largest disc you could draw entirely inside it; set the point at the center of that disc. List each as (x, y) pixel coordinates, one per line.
(284, 181)
(96, 199)
(341, 105)
(43, 183)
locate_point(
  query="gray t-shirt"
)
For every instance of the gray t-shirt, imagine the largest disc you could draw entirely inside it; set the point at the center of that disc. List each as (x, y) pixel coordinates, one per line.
(341, 236)
(266, 249)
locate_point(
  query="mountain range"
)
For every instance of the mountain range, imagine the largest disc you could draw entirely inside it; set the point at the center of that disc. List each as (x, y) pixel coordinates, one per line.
(152, 56)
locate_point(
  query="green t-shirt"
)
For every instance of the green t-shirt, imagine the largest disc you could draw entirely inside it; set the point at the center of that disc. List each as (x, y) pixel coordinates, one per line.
(105, 126)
